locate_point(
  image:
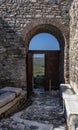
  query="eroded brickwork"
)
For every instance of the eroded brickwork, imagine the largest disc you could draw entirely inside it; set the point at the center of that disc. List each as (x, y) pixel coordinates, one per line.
(14, 17)
(74, 45)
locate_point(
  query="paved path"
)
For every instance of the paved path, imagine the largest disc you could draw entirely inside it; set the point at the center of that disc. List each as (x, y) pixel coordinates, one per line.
(45, 113)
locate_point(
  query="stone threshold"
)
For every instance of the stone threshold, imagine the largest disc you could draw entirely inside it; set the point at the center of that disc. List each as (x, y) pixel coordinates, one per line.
(10, 97)
(70, 102)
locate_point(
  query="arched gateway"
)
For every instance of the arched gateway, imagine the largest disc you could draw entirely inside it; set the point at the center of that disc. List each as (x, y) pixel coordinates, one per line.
(54, 60)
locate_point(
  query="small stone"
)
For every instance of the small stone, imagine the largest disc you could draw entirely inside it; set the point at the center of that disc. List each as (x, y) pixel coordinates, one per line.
(20, 126)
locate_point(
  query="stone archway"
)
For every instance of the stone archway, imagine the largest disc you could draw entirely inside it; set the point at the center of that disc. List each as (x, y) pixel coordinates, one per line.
(54, 27)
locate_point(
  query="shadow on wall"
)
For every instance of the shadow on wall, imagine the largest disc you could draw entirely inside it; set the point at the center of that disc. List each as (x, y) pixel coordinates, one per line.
(11, 51)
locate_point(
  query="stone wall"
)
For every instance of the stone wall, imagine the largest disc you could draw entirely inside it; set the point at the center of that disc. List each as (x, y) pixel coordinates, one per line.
(74, 45)
(14, 17)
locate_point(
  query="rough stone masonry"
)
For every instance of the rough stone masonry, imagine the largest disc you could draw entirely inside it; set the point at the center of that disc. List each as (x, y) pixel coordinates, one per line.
(74, 46)
(15, 15)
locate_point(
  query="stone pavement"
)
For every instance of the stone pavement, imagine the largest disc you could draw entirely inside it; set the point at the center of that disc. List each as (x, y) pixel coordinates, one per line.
(45, 113)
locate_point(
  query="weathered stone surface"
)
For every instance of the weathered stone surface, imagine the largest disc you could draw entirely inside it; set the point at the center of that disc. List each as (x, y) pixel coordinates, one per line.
(6, 98)
(66, 91)
(17, 91)
(74, 45)
(10, 104)
(71, 104)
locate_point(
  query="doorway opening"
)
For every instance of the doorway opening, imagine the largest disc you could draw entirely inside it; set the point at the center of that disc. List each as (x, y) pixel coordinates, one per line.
(43, 62)
(38, 70)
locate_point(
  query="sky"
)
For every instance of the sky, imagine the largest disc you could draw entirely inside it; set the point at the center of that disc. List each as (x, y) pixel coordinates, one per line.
(44, 41)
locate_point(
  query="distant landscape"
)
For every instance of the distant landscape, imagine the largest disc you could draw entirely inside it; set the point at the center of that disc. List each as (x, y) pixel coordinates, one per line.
(38, 66)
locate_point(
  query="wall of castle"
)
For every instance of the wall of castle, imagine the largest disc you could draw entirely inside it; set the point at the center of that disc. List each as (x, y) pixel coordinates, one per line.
(74, 45)
(14, 17)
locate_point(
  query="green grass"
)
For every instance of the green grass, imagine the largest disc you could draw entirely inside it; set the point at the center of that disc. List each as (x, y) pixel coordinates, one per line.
(38, 66)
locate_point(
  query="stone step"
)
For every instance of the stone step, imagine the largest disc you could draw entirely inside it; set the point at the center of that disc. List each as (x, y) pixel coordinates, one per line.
(6, 98)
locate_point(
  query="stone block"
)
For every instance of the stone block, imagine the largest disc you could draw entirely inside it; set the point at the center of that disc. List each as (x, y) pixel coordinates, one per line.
(17, 91)
(71, 104)
(70, 100)
(5, 98)
(66, 90)
(12, 103)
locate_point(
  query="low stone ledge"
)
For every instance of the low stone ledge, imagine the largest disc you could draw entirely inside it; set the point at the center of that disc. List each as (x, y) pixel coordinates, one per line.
(71, 105)
(17, 91)
(70, 101)
(10, 100)
(16, 105)
(5, 98)
(66, 90)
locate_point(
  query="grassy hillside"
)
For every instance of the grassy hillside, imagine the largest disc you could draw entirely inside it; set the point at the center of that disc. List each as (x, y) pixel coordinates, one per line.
(38, 66)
